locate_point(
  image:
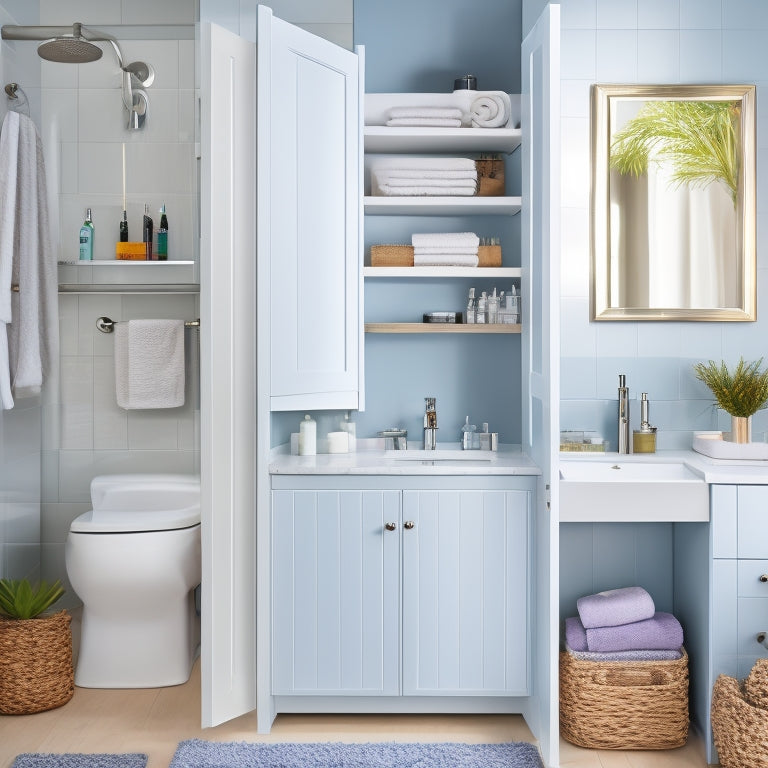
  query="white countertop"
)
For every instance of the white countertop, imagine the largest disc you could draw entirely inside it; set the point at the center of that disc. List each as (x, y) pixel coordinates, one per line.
(712, 471)
(508, 460)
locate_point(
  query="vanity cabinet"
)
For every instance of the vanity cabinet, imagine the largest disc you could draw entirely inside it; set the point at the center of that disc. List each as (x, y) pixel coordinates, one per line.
(407, 593)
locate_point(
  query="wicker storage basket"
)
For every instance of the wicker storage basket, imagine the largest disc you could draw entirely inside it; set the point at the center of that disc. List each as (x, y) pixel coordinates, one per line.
(391, 255)
(739, 716)
(624, 705)
(36, 671)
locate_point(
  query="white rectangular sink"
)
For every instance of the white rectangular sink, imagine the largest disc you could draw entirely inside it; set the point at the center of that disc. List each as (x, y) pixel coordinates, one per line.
(631, 491)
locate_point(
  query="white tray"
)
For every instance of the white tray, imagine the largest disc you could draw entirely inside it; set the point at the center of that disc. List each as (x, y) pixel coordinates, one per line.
(723, 449)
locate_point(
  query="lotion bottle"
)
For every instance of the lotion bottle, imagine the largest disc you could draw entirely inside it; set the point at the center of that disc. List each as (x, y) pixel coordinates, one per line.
(162, 236)
(308, 437)
(86, 238)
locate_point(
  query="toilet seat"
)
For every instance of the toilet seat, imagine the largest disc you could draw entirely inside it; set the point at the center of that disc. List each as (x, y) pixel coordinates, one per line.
(135, 521)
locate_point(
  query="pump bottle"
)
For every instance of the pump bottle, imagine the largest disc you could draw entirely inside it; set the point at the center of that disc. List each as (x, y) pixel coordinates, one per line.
(86, 238)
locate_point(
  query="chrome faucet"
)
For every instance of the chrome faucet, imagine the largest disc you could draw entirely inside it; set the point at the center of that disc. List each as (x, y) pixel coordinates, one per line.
(430, 424)
(623, 414)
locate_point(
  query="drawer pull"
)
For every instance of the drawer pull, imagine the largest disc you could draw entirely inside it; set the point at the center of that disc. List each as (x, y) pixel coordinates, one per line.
(408, 524)
(761, 638)
(764, 578)
(390, 526)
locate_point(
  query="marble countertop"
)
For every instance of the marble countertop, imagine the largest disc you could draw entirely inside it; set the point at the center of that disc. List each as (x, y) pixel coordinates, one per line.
(448, 459)
(712, 471)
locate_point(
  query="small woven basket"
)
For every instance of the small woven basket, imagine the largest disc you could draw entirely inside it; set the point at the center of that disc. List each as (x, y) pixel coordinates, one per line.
(624, 705)
(391, 255)
(36, 671)
(739, 716)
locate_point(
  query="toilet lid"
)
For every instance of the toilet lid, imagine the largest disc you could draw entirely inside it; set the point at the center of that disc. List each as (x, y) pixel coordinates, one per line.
(130, 521)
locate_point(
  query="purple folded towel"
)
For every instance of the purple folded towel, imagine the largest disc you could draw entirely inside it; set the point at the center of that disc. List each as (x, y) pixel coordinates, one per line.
(615, 607)
(662, 632)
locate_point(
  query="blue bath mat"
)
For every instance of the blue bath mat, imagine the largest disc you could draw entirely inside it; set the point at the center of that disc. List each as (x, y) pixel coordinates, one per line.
(210, 754)
(75, 760)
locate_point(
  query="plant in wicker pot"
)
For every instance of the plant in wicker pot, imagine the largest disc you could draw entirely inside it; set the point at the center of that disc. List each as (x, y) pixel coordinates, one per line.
(740, 393)
(36, 670)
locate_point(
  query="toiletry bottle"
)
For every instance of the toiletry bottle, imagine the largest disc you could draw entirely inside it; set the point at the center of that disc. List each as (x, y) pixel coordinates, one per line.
(349, 426)
(471, 307)
(308, 437)
(493, 307)
(86, 238)
(482, 311)
(124, 228)
(468, 435)
(162, 236)
(147, 233)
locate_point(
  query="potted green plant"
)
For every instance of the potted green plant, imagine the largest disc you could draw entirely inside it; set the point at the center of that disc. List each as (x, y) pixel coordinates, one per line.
(740, 393)
(35, 648)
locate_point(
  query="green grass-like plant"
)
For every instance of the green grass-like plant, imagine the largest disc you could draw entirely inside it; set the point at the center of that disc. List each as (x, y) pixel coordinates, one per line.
(741, 393)
(699, 139)
(20, 599)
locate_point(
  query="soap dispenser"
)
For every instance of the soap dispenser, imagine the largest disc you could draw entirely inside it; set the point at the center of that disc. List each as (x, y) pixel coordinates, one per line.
(644, 439)
(468, 432)
(308, 437)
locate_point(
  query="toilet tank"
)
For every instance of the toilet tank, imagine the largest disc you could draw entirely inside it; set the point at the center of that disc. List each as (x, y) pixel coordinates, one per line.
(146, 492)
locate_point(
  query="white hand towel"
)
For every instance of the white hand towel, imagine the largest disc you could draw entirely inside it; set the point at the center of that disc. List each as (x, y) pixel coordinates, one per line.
(425, 250)
(428, 112)
(424, 122)
(447, 260)
(445, 238)
(398, 181)
(491, 109)
(408, 173)
(421, 191)
(394, 162)
(32, 336)
(149, 363)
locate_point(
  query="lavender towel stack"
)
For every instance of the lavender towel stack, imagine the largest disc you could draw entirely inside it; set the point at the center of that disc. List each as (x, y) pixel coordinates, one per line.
(615, 607)
(661, 632)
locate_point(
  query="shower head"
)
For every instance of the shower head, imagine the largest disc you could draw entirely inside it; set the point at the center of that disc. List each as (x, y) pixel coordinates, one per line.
(69, 49)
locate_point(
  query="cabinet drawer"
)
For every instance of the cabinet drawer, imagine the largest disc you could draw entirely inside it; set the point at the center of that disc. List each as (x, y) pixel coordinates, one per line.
(753, 620)
(753, 578)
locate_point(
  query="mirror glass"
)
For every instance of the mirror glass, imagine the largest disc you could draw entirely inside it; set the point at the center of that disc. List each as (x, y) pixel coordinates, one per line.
(673, 202)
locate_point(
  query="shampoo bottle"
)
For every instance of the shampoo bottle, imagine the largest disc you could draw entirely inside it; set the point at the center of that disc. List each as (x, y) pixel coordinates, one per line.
(308, 437)
(86, 238)
(124, 228)
(147, 233)
(162, 236)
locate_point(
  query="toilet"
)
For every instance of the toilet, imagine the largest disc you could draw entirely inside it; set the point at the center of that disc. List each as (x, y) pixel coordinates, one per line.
(134, 560)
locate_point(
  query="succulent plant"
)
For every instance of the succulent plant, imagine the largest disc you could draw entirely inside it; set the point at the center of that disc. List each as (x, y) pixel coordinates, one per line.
(20, 599)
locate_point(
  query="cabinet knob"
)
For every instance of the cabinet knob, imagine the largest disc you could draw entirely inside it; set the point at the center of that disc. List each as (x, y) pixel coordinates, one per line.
(390, 526)
(761, 638)
(764, 578)
(408, 524)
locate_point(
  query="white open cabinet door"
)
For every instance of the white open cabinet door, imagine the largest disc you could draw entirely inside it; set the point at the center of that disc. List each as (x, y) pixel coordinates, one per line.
(228, 373)
(541, 352)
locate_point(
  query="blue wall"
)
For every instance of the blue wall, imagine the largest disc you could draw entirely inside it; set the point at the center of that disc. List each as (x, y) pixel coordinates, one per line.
(637, 41)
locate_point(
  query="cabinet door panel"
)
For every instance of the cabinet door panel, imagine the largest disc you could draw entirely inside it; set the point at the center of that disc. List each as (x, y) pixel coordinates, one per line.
(465, 593)
(753, 512)
(335, 592)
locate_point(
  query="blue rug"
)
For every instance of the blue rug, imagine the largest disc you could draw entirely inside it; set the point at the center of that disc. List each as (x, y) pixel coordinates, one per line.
(75, 760)
(210, 754)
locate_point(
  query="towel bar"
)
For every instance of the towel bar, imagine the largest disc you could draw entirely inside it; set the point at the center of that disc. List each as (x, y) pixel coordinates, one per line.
(107, 325)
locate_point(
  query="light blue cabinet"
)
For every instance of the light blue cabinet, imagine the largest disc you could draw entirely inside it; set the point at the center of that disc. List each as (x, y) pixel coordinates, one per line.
(336, 592)
(359, 574)
(465, 595)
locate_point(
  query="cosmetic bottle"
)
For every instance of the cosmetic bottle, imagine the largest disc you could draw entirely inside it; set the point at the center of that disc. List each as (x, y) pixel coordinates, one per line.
(482, 309)
(349, 426)
(162, 236)
(86, 238)
(493, 307)
(308, 437)
(468, 435)
(471, 307)
(147, 232)
(124, 228)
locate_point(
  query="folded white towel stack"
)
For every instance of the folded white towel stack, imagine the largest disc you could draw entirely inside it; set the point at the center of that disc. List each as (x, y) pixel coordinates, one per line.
(149, 363)
(445, 249)
(434, 117)
(420, 176)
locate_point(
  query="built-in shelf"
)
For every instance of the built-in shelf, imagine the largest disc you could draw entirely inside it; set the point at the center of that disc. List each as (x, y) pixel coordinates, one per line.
(442, 206)
(431, 272)
(139, 263)
(380, 138)
(128, 276)
(440, 328)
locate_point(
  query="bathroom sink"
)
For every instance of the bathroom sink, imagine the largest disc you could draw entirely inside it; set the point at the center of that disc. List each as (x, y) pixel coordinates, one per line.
(439, 454)
(631, 491)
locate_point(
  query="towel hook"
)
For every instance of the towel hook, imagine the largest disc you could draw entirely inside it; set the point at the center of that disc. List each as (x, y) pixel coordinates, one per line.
(107, 324)
(11, 89)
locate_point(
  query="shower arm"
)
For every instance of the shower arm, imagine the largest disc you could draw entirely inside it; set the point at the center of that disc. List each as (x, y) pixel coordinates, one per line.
(18, 32)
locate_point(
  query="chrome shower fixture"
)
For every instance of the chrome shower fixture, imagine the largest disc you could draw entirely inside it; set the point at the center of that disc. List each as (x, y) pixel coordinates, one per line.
(76, 45)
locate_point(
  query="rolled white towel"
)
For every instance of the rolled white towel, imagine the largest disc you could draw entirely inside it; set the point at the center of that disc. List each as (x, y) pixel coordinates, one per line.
(424, 122)
(455, 239)
(431, 112)
(446, 260)
(419, 191)
(491, 109)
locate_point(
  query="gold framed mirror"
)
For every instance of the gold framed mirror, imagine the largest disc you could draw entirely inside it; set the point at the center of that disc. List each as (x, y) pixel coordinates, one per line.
(673, 203)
